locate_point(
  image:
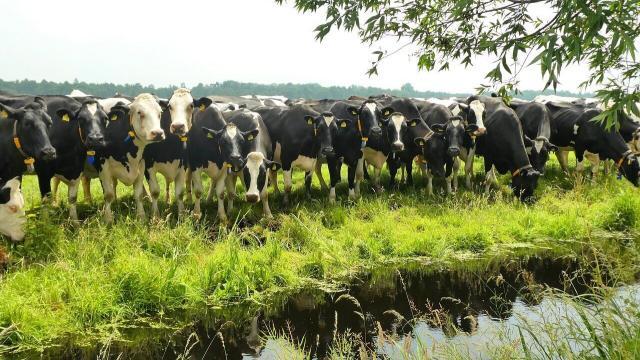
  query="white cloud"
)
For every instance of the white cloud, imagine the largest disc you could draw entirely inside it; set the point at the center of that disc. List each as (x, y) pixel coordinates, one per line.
(194, 41)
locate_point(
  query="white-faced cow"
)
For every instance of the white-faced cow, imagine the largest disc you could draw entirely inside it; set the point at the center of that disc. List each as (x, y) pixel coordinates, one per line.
(503, 148)
(12, 217)
(299, 135)
(169, 156)
(131, 128)
(24, 137)
(256, 149)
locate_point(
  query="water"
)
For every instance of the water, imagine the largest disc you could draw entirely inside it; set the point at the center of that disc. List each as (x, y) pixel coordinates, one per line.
(418, 309)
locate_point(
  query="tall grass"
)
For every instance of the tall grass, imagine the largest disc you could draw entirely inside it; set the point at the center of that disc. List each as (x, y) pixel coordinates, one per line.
(82, 282)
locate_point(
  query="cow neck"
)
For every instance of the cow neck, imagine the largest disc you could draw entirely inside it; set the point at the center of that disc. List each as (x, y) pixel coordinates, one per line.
(28, 160)
(91, 153)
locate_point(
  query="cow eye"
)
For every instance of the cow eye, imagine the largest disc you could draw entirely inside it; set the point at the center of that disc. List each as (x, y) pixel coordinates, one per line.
(141, 114)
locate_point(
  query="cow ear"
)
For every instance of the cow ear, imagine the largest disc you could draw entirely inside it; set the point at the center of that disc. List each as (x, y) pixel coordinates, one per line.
(471, 128)
(40, 101)
(164, 104)
(272, 165)
(251, 135)
(309, 119)
(413, 122)
(420, 141)
(65, 115)
(6, 111)
(551, 147)
(439, 128)
(211, 134)
(352, 110)
(386, 112)
(527, 142)
(202, 103)
(343, 123)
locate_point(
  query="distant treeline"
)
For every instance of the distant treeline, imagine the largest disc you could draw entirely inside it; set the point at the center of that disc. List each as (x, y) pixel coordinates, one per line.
(310, 91)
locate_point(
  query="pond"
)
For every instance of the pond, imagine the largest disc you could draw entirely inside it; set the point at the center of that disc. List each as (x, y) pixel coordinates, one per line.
(388, 311)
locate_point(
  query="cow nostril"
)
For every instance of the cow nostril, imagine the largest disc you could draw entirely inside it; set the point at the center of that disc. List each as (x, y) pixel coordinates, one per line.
(13, 208)
(252, 198)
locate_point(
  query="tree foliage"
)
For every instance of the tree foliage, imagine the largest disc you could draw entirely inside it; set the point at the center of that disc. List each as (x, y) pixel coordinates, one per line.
(550, 34)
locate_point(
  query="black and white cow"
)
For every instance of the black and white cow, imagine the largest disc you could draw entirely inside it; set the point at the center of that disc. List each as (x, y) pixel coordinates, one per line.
(413, 135)
(12, 216)
(357, 123)
(503, 148)
(169, 156)
(77, 134)
(214, 149)
(256, 149)
(442, 150)
(572, 127)
(299, 135)
(24, 137)
(131, 128)
(536, 125)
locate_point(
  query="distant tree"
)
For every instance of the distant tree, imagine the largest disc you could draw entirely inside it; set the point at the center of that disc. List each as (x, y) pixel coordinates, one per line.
(600, 33)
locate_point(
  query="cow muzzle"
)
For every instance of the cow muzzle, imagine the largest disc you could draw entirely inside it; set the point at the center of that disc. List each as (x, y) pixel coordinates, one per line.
(328, 151)
(453, 151)
(95, 141)
(252, 198)
(156, 135)
(178, 129)
(397, 146)
(376, 131)
(237, 162)
(48, 154)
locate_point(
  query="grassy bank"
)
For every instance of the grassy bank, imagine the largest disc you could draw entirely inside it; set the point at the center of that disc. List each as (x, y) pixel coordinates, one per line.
(82, 282)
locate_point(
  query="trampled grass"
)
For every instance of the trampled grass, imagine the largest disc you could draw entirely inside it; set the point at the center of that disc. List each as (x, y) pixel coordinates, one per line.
(81, 282)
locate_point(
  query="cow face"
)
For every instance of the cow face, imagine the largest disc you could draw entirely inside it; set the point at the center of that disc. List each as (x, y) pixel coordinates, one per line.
(92, 123)
(394, 127)
(434, 151)
(12, 217)
(630, 169)
(231, 141)
(324, 129)
(180, 107)
(524, 184)
(144, 116)
(538, 151)
(32, 129)
(454, 131)
(475, 115)
(255, 175)
(368, 119)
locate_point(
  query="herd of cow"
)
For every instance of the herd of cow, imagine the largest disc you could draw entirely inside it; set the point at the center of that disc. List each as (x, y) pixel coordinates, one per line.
(74, 138)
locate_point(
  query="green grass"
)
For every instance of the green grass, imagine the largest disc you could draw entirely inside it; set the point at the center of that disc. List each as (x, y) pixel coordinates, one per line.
(79, 283)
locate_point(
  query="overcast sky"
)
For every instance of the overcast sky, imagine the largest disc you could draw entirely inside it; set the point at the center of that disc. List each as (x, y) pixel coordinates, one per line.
(192, 41)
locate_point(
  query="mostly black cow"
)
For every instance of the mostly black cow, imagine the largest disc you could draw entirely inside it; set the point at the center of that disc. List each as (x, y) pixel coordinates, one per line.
(536, 125)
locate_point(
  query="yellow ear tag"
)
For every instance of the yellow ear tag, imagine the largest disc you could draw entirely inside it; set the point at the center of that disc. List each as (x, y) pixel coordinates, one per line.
(354, 113)
(202, 107)
(183, 138)
(274, 167)
(65, 117)
(114, 117)
(29, 161)
(386, 113)
(413, 123)
(91, 153)
(132, 134)
(4, 114)
(309, 121)
(343, 124)
(250, 137)
(16, 142)
(210, 136)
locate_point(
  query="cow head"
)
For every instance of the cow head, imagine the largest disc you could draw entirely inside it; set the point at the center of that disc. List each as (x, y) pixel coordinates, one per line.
(394, 127)
(255, 175)
(144, 117)
(524, 182)
(91, 121)
(12, 217)
(629, 167)
(324, 129)
(538, 151)
(368, 119)
(475, 115)
(231, 141)
(180, 107)
(31, 129)
(434, 150)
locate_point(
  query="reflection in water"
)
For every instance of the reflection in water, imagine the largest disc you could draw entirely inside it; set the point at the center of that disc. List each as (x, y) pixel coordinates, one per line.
(426, 305)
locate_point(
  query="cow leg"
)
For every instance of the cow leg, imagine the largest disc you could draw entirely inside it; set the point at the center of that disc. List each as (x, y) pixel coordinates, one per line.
(318, 171)
(563, 159)
(55, 182)
(393, 170)
(307, 183)
(179, 190)
(409, 167)
(429, 182)
(114, 185)
(359, 175)
(73, 198)
(264, 197)
(288, 182)
(108, 189)
(212, 189)
(594, 159)
(196, 179)
(139, 193)
(230, 183)
(365, 170)
(334, 166)
(376, 178)
(468, 167)
(273, 178)
(154, 188)
(187, 184)
(220, 185)
(402, 174)
(86, 189)
(167, 191)
(454, 174)
(489, 176)
(44, 183)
